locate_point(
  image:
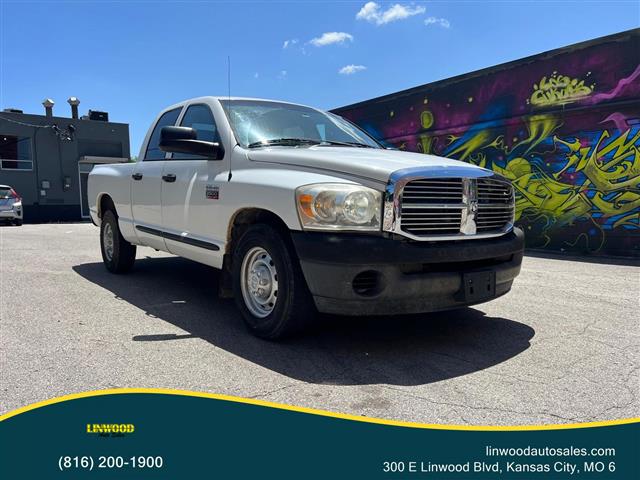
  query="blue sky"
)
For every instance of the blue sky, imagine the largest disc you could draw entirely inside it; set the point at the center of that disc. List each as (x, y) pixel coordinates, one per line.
(132, 58)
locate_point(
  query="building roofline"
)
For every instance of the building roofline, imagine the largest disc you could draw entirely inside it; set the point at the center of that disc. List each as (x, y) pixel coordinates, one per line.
(26, 117)
(620, 36)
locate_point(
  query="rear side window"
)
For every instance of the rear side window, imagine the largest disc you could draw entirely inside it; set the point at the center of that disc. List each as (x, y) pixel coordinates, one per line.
(15, 153)
(166, 120)
(200, 118)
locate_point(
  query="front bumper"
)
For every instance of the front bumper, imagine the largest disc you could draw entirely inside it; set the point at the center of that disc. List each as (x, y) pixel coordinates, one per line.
(409, 277)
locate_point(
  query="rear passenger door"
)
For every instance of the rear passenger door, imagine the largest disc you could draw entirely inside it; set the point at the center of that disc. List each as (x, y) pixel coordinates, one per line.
(146, 186)
(189, 190)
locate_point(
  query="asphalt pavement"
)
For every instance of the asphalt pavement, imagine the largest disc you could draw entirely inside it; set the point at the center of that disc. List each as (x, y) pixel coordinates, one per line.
(561, 347)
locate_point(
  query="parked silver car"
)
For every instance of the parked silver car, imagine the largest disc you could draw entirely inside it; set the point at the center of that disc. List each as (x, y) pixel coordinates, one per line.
(10, 205)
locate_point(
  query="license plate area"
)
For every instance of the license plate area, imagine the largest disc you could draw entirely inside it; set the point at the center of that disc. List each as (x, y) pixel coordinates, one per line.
(478, 286)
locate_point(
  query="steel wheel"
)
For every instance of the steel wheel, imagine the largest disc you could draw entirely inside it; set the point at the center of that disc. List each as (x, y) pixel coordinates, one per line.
(107, 241)
(118, 255)
(259, 282)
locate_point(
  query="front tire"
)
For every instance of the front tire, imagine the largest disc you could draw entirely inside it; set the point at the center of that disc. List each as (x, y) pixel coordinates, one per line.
(17, 223)
(268, 285)
(118, 255)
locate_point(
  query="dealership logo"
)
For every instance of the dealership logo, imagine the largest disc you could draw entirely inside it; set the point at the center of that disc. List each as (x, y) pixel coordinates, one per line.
(110, 429)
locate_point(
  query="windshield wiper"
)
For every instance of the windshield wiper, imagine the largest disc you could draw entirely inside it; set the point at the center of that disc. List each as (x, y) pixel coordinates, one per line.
(346, 144)
(284, 141)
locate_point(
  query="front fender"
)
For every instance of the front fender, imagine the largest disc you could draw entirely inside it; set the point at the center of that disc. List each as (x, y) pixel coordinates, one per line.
(270, 189)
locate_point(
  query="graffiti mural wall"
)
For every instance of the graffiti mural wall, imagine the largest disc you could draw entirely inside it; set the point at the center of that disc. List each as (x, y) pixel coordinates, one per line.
(564, 126)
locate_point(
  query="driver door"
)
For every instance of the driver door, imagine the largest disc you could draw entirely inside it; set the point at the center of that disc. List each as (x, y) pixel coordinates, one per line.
(190, 191)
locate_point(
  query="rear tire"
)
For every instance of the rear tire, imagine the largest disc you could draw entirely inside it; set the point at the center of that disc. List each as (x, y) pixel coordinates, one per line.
(118, 255)
(268, 285)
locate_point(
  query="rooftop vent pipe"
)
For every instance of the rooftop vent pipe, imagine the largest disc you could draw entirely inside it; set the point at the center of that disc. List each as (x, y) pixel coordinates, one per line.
(74, 102)
(48, 107)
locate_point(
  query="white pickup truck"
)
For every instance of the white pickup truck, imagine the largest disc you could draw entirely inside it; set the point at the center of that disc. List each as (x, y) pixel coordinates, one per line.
(305, 212)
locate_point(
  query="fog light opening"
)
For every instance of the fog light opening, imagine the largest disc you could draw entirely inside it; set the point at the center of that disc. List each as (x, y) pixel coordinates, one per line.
(367, 283)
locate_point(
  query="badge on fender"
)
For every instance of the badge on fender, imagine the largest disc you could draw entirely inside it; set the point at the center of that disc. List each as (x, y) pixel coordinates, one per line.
(212, 192)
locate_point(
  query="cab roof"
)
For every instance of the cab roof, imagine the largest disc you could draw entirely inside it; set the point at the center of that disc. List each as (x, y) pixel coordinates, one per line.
(223, 98)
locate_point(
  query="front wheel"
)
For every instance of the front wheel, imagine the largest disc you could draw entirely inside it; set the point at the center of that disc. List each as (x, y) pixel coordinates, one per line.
(17, 223)
(118, 255)
(268, 284)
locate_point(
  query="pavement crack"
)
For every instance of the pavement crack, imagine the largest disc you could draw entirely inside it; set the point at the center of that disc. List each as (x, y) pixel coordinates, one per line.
(491, 409)
(270, 392)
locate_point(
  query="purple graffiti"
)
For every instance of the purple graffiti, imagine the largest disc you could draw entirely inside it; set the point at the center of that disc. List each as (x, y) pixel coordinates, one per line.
(624, 82)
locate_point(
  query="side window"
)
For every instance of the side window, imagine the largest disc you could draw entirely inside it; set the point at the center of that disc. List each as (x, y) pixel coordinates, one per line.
(15, 153)
(153, 149)
(200, 118)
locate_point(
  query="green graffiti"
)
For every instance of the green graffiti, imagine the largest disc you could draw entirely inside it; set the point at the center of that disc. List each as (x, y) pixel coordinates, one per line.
(595, 180)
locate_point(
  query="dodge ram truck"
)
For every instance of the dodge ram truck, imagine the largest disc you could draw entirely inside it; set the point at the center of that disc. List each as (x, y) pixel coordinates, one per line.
(304, 212)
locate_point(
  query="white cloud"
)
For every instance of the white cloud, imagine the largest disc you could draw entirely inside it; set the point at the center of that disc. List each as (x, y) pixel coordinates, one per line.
(329, 38)
(372, 13)
(256, 75)
(351, 69)
(289, 43)
(282, 75)
(443, 22)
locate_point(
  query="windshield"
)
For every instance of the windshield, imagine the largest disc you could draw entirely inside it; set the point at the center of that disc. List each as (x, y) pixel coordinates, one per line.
(5, 193)
(260, 123)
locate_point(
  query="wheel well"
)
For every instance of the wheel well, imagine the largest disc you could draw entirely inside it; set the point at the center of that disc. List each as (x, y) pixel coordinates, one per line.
(250, 216)
(106, 203)
(241, 221)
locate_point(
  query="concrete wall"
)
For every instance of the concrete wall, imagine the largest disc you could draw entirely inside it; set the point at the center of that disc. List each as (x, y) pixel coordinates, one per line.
(56, 158)
(564, 126)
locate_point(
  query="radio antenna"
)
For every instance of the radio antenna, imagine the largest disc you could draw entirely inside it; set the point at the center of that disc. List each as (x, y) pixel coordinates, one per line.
(232, 136)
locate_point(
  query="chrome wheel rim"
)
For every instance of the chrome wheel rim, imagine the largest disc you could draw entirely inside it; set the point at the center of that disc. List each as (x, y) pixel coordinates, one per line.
(259, 282)
(107, 241)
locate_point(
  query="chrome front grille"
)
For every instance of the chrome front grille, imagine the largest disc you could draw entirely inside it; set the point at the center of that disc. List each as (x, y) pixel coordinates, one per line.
(472, 205)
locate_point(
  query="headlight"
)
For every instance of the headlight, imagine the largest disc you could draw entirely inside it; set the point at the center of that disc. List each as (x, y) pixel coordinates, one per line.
(335, 206)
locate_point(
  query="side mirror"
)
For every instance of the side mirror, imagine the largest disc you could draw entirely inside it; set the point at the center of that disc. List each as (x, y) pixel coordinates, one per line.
(185, 140)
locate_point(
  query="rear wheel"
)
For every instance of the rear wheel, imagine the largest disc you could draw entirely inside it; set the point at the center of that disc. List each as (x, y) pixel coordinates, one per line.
(118, 255)
(268, 284)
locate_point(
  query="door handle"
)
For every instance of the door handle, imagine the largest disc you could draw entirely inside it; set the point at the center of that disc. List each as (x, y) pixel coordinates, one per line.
(169, 177)
(137, 176)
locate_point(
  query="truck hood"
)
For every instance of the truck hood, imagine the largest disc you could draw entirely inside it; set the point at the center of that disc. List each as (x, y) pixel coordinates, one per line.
(370, 163)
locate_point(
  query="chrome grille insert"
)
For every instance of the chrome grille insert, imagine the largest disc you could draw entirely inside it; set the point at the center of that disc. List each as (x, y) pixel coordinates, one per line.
(495, 205)
(435, 190)
(423, 207)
